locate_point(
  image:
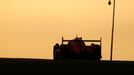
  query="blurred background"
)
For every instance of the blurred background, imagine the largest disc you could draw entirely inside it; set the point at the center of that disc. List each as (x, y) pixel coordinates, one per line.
(30, 28)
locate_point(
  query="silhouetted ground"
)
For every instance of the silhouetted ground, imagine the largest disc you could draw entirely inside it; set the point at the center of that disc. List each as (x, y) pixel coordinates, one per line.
(65, 66)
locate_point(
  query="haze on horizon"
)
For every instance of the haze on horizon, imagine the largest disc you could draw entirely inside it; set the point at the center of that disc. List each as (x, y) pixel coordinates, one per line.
(30, 28)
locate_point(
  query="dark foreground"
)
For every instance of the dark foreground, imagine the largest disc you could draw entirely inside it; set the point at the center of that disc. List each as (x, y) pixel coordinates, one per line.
(65, 66)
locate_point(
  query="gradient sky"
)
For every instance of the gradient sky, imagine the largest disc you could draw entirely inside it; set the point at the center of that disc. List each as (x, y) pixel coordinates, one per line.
(30, 28)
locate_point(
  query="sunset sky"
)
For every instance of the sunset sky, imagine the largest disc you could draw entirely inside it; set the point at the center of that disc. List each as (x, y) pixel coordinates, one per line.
(30, 28)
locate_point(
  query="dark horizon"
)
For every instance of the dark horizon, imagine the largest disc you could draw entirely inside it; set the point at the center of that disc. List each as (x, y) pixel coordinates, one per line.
(65, 66)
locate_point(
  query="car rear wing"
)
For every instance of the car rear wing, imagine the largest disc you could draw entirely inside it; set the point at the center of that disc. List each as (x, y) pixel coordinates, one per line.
(100, 41)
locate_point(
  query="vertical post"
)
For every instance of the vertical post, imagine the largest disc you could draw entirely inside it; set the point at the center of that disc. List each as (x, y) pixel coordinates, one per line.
(112, 35)
(62, 40)
(101, 45)
(101, 42)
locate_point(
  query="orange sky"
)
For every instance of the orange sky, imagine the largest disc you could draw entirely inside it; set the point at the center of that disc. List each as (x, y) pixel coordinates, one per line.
(30, 28)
